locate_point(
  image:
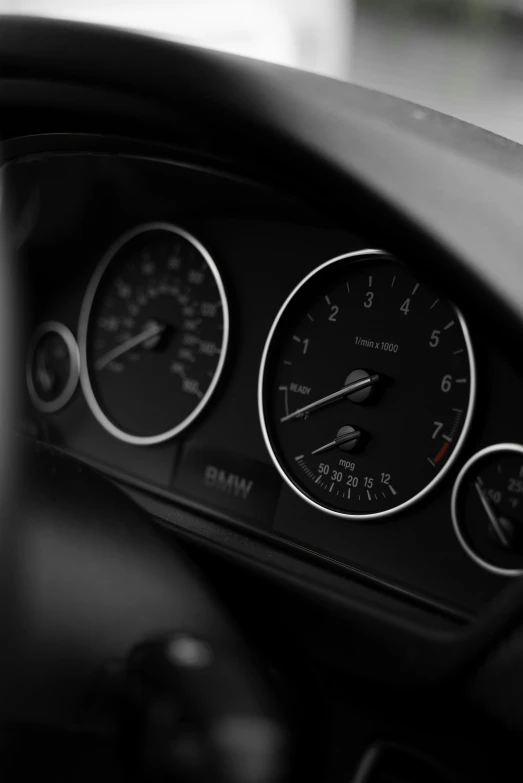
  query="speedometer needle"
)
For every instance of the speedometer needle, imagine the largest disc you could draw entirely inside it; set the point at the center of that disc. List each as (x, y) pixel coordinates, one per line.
(153, 330)
(362, 383)
(494, 521)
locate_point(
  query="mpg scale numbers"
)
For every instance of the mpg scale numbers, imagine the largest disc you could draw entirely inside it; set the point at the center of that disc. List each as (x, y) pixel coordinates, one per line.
(367, 386)
(153, 334)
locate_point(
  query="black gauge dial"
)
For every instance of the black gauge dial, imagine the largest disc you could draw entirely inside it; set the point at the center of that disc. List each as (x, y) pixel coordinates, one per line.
(52, 368)
(366, 387)
(153, 334)
(487, 508)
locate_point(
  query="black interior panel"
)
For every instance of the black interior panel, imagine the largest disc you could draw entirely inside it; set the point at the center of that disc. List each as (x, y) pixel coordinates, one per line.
(263, 244)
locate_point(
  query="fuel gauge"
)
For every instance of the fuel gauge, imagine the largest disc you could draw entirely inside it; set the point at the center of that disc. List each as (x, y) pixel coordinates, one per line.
(487, 508)
(53, 367)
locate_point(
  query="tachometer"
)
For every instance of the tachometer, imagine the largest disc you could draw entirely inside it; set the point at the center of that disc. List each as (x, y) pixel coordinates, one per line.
(153, 334)
(366, 387)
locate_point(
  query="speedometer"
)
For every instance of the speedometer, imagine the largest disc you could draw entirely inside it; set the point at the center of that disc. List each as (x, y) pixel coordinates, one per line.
(153, 334)
(366, 387)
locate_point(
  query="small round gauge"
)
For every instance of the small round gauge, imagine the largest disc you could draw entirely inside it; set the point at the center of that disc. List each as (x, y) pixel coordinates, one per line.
(487, 508)
(366, 387)
(53, 367)
(153, 334)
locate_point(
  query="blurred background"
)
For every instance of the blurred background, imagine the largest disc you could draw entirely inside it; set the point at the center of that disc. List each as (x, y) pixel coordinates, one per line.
(462, 57)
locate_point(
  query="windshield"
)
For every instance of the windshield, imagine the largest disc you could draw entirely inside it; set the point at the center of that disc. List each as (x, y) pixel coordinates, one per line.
(461, 57)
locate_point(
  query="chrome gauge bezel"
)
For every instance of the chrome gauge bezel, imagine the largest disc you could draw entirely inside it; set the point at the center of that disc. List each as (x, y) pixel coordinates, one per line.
(479, 455)
(359, 255)
(52, 406)
(83, 328)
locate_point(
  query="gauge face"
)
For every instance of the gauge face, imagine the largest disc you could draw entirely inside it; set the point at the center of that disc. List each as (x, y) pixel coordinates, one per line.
(153, 334)
(366, 387)
(52, 368)
(487, 508)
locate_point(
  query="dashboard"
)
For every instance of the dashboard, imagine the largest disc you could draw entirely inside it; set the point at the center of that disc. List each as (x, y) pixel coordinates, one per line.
(217, 345)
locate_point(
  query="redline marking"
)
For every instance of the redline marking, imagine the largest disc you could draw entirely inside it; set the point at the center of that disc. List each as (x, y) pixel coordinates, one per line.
(441, 453)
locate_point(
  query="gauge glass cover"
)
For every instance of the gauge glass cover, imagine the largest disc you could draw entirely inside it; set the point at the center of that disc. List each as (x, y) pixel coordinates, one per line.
(364, 317)
(153, 334)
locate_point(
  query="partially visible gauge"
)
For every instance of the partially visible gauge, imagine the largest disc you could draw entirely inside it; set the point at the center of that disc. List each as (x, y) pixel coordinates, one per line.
(153, 334)
(487, 508)
(366, 388)
(53, 367)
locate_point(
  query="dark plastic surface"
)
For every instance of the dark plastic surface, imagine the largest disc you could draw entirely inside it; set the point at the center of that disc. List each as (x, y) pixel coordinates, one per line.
(439, 194)
(455, 189)
(261, 261)
(89, 579)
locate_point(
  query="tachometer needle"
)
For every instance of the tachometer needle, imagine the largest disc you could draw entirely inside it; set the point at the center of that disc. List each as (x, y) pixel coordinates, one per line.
(493, 519)
(338, 441)
(362, 383)
(128, 345)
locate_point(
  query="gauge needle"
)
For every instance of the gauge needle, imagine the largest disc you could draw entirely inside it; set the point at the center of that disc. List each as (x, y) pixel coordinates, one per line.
(338, 441)
(128, 345)
(337, 395)
(45, 378)
(494, 521)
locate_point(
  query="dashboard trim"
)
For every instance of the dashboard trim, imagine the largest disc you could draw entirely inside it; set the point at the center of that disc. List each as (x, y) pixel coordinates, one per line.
(177, 502)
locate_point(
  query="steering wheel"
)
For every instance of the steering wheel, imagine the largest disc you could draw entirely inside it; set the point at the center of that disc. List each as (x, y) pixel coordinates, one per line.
(111, 632)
